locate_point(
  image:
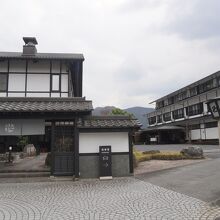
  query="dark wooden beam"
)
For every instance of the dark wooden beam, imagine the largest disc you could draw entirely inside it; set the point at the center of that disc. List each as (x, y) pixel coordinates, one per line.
(80, 78)
(76, 148)
(44, 115)
(26, 72)
(91, 130)
(52, 147)
(130, 153)
(77, 78)
(7, 78)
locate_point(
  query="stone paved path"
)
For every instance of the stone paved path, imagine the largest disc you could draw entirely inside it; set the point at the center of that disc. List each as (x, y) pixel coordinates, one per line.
(121, 198)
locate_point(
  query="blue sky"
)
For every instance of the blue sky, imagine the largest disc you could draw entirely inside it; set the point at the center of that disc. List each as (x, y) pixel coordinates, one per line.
(135, 50)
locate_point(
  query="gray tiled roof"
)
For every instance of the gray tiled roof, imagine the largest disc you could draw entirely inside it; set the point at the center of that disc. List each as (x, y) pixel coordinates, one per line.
(44, 104)
(65, 56)
(109, 122)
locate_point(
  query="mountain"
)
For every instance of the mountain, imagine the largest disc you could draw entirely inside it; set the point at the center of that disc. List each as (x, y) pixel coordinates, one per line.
(103, 110)
(138, 112)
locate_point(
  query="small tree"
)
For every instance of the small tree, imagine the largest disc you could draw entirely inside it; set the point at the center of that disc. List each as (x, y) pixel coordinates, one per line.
(118, 111)
(22, 141)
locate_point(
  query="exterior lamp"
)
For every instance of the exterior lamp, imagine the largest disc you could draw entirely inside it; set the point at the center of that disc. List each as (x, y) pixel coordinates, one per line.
(9, 155)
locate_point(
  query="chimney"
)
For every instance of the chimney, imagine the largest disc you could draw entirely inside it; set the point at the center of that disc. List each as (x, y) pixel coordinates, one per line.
(29, 49)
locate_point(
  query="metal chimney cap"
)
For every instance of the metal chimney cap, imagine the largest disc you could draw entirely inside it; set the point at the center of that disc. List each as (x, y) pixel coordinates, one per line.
(31, 40)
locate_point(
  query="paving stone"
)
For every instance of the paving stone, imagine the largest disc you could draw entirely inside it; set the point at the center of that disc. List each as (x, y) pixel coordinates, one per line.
(120, 198)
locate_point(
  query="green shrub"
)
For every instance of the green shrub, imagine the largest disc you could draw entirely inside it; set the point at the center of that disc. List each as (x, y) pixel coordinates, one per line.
(157, 155)
(139, 156)
(168, 156)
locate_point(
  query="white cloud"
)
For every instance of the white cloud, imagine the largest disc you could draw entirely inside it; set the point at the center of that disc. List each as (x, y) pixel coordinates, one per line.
(135, 50)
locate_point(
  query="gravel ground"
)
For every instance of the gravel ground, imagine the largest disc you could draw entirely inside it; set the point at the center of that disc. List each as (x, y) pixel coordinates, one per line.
(155, 165)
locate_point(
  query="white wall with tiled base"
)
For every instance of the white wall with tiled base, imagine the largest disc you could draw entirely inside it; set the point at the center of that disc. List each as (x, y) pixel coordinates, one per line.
(90, 142)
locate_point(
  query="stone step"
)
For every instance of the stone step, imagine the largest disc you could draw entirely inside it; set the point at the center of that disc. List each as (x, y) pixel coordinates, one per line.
(24, 174)
(23, 171)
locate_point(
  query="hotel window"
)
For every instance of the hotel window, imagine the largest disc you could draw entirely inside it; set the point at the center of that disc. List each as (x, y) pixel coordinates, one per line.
(181, 96)
(159, 119)
(171, 100)
(152, 120)
(213, 124)
(179, 113)
(193, 91)
(218, 81)
(166, 102)
(167, 116)
(3, 82)
(160, 104)
(206, 86)
(195, 127)
(196, 109)
(55, 82)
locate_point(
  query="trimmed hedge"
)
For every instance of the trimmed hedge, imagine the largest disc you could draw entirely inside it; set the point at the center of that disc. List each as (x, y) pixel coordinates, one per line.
(168, 156)
(155, 155)
(151, 152)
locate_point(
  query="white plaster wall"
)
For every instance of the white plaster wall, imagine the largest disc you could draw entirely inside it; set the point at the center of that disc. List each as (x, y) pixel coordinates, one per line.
(17, 66)
(55, 94)
(3, 94)
(90, 142)
(20, 94)
(16, 82)
(38, 94)
(38, 82)
(64, 83)
(195, 134)
(3, 66)
(39, 67)
(212, 133)
(64, 95)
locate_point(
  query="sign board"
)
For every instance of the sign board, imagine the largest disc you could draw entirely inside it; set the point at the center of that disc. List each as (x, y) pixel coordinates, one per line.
(105, 162)
(17, 127)
(214, 109)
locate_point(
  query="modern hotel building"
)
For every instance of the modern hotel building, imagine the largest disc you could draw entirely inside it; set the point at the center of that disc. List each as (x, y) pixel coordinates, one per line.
(183, 115)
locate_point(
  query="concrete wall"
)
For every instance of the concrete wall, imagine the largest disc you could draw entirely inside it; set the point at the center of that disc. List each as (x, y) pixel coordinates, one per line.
(89, 166)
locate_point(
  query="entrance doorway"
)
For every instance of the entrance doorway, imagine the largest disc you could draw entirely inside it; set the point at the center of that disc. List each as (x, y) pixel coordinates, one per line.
(63, 148)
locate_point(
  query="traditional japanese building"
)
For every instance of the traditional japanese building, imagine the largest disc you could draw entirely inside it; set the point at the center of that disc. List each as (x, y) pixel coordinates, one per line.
(41, 97)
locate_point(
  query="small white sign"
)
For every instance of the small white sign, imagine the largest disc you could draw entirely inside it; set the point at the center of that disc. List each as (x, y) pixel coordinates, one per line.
(9, 128)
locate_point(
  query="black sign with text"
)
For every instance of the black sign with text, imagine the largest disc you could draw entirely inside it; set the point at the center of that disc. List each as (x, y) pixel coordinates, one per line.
(105, 161)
